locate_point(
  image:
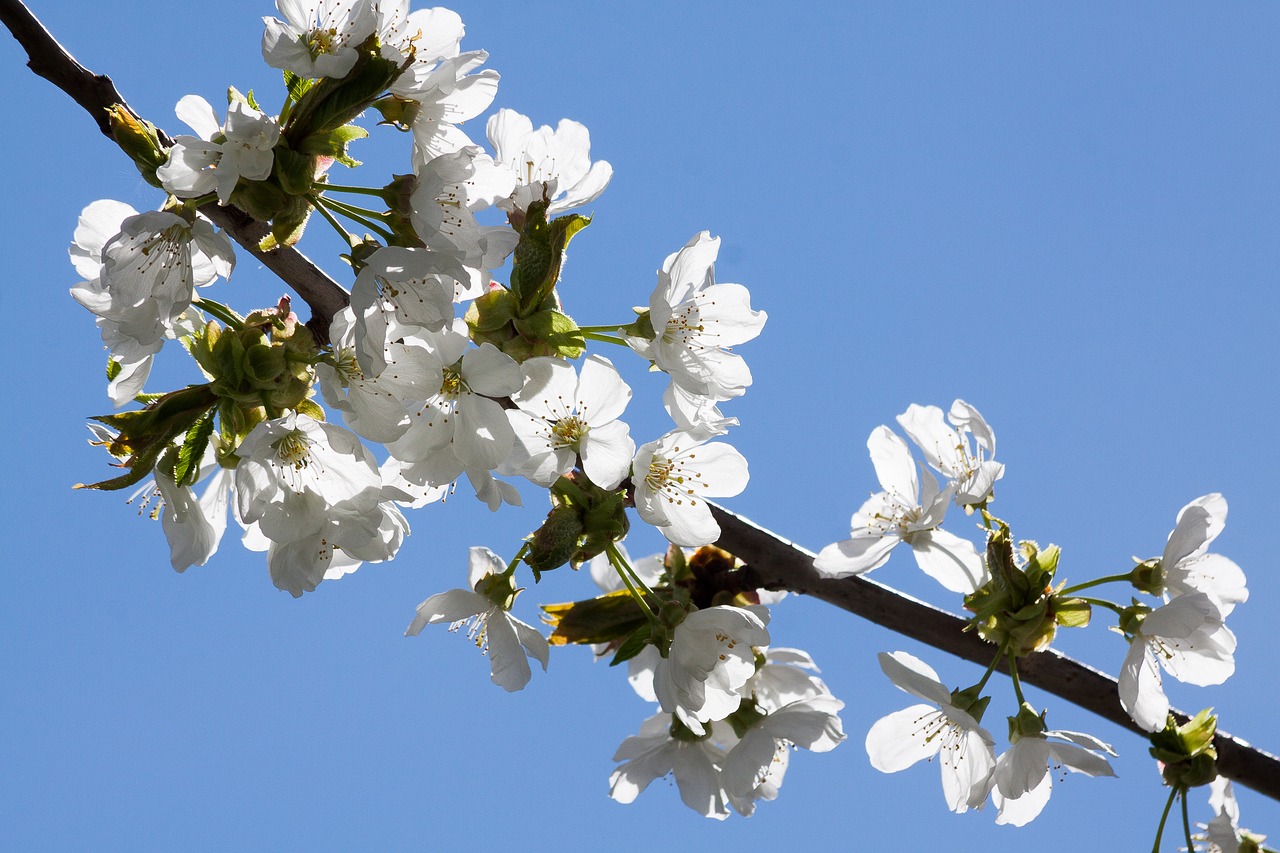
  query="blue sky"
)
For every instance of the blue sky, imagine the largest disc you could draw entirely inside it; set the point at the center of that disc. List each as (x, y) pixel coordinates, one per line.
(1069, 217)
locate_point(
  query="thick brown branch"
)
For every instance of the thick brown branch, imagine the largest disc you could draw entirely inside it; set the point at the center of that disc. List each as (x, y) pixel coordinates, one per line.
(96, 93)
(780, 564)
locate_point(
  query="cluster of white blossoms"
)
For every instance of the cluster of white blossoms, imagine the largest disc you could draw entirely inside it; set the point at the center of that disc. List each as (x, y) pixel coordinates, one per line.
(1017, 606)
(730, 708)
(456, 357)
(1187, 635)
(415, 364)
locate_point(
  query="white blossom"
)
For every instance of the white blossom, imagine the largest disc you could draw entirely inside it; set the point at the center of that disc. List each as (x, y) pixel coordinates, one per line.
(654, 753)
(674, 473)
(221, 155)
(938, 728)
(967, 466)
(1188, 639)
(711, 659)
(1023, 777)
(1186, 563)
(141, 272)
(908, 510)
(505, 639)
(546, 164)
(318, 38)
(695, 322)
(563, 416)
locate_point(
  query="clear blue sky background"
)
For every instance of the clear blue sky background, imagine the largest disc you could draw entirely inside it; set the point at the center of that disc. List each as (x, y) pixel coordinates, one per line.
(1069, 217)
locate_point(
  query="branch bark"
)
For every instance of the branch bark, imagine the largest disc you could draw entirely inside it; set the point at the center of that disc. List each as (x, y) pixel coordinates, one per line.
(96, 93)
(775, 562)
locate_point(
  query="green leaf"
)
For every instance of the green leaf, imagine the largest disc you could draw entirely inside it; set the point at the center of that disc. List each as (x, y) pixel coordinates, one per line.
(334, 143)
(145, 433)
(187, 469)
(330, 103)
(632, 645)
(540, 254)
(297, 86)
(295, 172)
(603, 619)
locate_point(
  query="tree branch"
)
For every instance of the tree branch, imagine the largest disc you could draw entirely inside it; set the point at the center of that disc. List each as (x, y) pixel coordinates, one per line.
(775, 562)
(96, 94)
(779, 564)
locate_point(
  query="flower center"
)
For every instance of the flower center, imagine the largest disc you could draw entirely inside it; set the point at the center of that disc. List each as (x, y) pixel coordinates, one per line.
(569, 432)
(293, 450)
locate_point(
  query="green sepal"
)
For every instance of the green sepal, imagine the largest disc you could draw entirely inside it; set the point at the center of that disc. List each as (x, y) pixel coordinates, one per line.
(1072, 612)
(603, 619)
(113, 369)
(397, 112)
(632, 645)
(1149, 576)
(186, 469)
(1187, 751)
(334, 144)
(642, 327)
(252, 101)
(491, 311)
(971, 701)
(552, 333)
(747, 717)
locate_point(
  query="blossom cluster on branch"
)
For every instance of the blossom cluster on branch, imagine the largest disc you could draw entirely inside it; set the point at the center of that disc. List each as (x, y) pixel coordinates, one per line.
(457, 358)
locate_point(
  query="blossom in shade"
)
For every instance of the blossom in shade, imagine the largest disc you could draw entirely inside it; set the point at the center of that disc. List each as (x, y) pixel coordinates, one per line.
(505, 639)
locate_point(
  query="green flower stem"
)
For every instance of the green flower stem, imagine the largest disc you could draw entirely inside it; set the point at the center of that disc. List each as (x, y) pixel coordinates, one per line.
(601, 328)
(321, 186)
(356, 214)
(1155, 848)
(1186, 824)
(604, 339)
(220, 312)
(1102, 602)
(515, 561)
(986, 676)
(625, 572)
(331, 219)
(1108, 579)
(344, 208)
(1013, 675)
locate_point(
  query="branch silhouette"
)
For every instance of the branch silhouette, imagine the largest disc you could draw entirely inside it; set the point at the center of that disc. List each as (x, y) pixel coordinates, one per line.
(772, 561)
